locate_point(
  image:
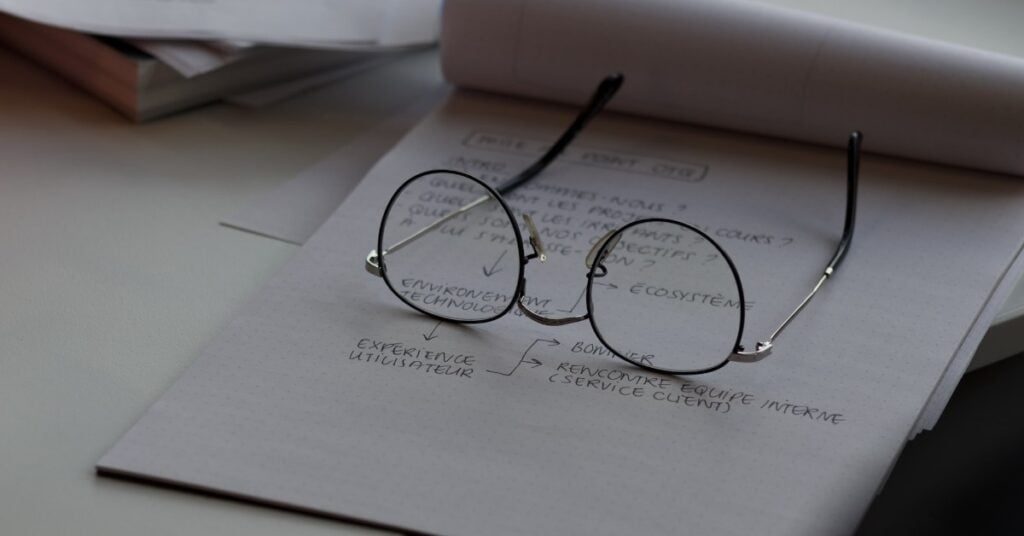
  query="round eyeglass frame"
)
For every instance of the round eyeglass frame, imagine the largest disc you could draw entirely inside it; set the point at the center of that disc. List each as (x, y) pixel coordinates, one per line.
(515, 228)
(597, 266)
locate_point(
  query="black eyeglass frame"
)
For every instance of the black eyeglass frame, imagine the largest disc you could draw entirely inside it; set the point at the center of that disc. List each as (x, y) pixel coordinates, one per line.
(381, 267)
(376, 263)
(592, 274)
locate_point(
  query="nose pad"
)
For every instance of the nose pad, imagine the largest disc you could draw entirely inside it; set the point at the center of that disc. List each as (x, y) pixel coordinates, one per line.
(535, 241)
(611, 238)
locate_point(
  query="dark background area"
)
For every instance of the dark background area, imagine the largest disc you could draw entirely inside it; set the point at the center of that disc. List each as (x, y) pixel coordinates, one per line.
(966, 476)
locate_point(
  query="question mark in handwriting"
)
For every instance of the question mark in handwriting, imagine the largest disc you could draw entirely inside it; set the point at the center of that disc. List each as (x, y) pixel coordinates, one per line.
(651, 261)
(788, 242)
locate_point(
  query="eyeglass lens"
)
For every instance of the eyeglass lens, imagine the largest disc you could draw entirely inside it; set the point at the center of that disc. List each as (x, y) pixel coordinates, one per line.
(450, 248)
(669, 298)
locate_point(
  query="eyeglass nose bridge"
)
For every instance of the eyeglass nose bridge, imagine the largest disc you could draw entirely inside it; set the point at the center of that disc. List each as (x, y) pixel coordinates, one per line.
(611, 238)
(538, 316)
(539, 253)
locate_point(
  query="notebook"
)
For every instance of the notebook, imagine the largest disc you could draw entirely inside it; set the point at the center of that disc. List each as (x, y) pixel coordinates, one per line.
(327, 394)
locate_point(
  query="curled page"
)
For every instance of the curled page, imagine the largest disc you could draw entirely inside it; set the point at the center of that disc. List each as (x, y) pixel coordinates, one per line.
(750, 67)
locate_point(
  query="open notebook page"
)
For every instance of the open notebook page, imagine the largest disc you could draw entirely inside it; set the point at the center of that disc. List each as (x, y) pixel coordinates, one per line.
(760, 68)
(305, 400)
(750, 67)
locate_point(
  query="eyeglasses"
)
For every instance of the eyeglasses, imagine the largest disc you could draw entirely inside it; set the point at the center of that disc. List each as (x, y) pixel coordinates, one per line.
(660, 294)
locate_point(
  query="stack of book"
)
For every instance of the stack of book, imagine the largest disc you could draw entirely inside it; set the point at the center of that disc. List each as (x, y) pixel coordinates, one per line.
(148, 63)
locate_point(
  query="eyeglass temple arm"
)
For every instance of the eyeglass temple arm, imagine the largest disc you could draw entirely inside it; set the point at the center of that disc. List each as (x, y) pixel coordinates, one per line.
(852, 176)
(604, 93)
(764, 348)
(605, 90)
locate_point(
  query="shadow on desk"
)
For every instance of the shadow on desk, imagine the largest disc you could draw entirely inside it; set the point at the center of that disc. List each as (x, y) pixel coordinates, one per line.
(967, 475)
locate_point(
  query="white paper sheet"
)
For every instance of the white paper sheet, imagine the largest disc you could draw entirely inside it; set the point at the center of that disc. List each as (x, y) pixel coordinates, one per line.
(191, 58)
(967, 356)
(297, 404)
(295, 210)
(1003, 338)
(750, 67)
(360, 23)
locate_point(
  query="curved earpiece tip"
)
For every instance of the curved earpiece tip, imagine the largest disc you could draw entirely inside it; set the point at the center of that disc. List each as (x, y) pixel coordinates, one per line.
(613, 80)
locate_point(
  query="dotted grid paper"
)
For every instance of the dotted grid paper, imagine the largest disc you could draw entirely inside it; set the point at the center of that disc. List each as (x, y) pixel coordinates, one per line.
(299, 402)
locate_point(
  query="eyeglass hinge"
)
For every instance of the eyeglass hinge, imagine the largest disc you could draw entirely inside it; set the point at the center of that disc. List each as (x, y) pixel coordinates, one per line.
(372, 264)
(762, 350)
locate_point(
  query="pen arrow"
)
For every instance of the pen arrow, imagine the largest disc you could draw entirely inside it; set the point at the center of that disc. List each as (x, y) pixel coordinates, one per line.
(532, 362)
(431, 336)
(494, 267)
(584, 293)
(577, 304)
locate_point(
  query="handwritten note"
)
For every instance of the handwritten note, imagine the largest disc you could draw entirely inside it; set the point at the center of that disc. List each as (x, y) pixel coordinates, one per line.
(329, 394)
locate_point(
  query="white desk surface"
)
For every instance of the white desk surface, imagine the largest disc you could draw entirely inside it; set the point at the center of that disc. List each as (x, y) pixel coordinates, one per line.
(114, 271)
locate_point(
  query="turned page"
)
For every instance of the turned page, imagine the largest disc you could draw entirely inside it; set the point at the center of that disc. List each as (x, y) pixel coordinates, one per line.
(750, 67)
